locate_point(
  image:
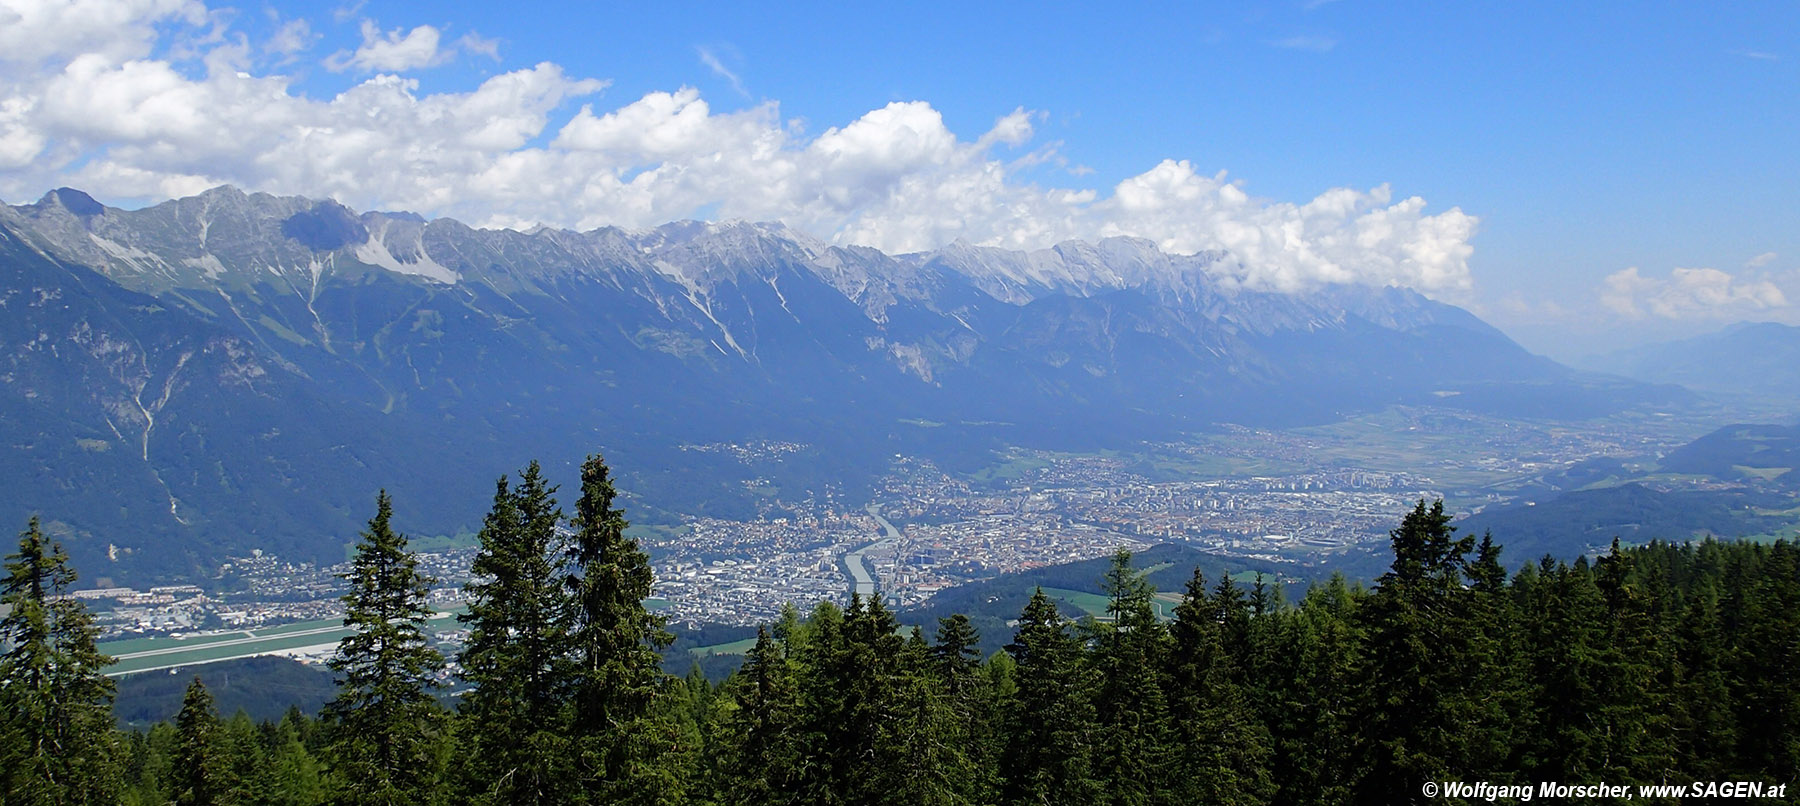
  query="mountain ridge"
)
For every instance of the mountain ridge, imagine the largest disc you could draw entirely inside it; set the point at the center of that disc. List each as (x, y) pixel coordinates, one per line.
(297, 346)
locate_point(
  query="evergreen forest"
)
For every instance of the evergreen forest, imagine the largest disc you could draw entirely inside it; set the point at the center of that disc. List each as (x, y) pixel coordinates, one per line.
(1650, 664)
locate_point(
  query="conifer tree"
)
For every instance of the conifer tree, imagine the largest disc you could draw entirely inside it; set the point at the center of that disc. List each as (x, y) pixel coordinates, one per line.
(969, 695)
(762, 754)
(616, 643)
(822, 649)
(927, 748)
(385, 721)
(1630, 708)
(295, 777)
(56, 724)
(1050, 732)
(1218, 749)
(870, 669)
(1768, 652)
(1489, 714)
(199, 772)
(245, 762)
(1563, 619)
(1231, 610)
(1417, 637)
(147, 766)
(515, 657)
(1315, 719)
(1130, 706)
(957, 652)
(1705, 731)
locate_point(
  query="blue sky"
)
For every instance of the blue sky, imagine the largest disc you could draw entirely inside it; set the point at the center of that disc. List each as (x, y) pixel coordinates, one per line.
(1590, 176)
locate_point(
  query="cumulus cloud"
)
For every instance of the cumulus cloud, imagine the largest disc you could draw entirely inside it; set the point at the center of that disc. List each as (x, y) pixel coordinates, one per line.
(391, 51)
(291, 37)
(1703, 293)
(33, 32)
(107, 114)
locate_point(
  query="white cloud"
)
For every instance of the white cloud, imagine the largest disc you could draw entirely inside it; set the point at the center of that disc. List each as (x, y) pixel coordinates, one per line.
(1688, 294)
(33, 32)
(479, 45)
(391, 52)
(111, 117)
(711, 60)
(291, 37)
(1761, 260)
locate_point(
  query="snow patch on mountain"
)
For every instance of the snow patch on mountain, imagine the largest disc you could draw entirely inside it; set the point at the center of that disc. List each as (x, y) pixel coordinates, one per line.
(375, 252)
(130, 255)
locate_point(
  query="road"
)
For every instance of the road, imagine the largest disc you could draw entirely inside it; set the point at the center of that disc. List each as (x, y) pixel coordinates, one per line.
(248, 639)
(195, 652)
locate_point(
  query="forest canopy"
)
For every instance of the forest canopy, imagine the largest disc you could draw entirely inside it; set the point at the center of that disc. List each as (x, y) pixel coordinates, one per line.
(1659, 663)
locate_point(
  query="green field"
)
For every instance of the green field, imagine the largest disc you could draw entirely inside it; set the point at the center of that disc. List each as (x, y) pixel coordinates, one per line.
(1011, 466)
(732, 648)
(1094, 604)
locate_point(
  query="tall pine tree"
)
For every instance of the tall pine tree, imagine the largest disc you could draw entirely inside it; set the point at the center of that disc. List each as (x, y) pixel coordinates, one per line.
(199, 773)
(761, 752)
(616, 643)
(1049, 751)
(1129, 703)
(514, 716)
(56, 723)
(1418, 642)
(1219, 752)
(385, 722)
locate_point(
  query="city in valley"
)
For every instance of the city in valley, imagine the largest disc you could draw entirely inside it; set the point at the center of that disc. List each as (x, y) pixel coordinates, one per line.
(1297, 497)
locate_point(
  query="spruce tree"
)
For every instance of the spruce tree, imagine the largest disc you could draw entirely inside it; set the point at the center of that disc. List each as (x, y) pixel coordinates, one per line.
(928, 754)
(1489, 713)
(968, 694)
(1130, 706)
(762, 754)
(871, 669)
(56, 723)
(1768, 653)
(1631, 704)
(1315, 719)
(385, 721)
(821, 648)
(515, 657)
(1049, 749)
(200, 772)
(1219, 751)
(616, 643)
(295, 777)
(1418, 644)
(957, 652)
(1563, 618)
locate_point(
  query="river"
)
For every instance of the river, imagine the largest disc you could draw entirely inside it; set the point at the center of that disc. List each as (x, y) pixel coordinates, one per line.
(861, 580)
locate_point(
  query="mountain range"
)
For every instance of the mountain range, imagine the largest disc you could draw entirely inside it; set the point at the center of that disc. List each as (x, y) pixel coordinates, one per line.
(1748, 360)
(233, 370)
